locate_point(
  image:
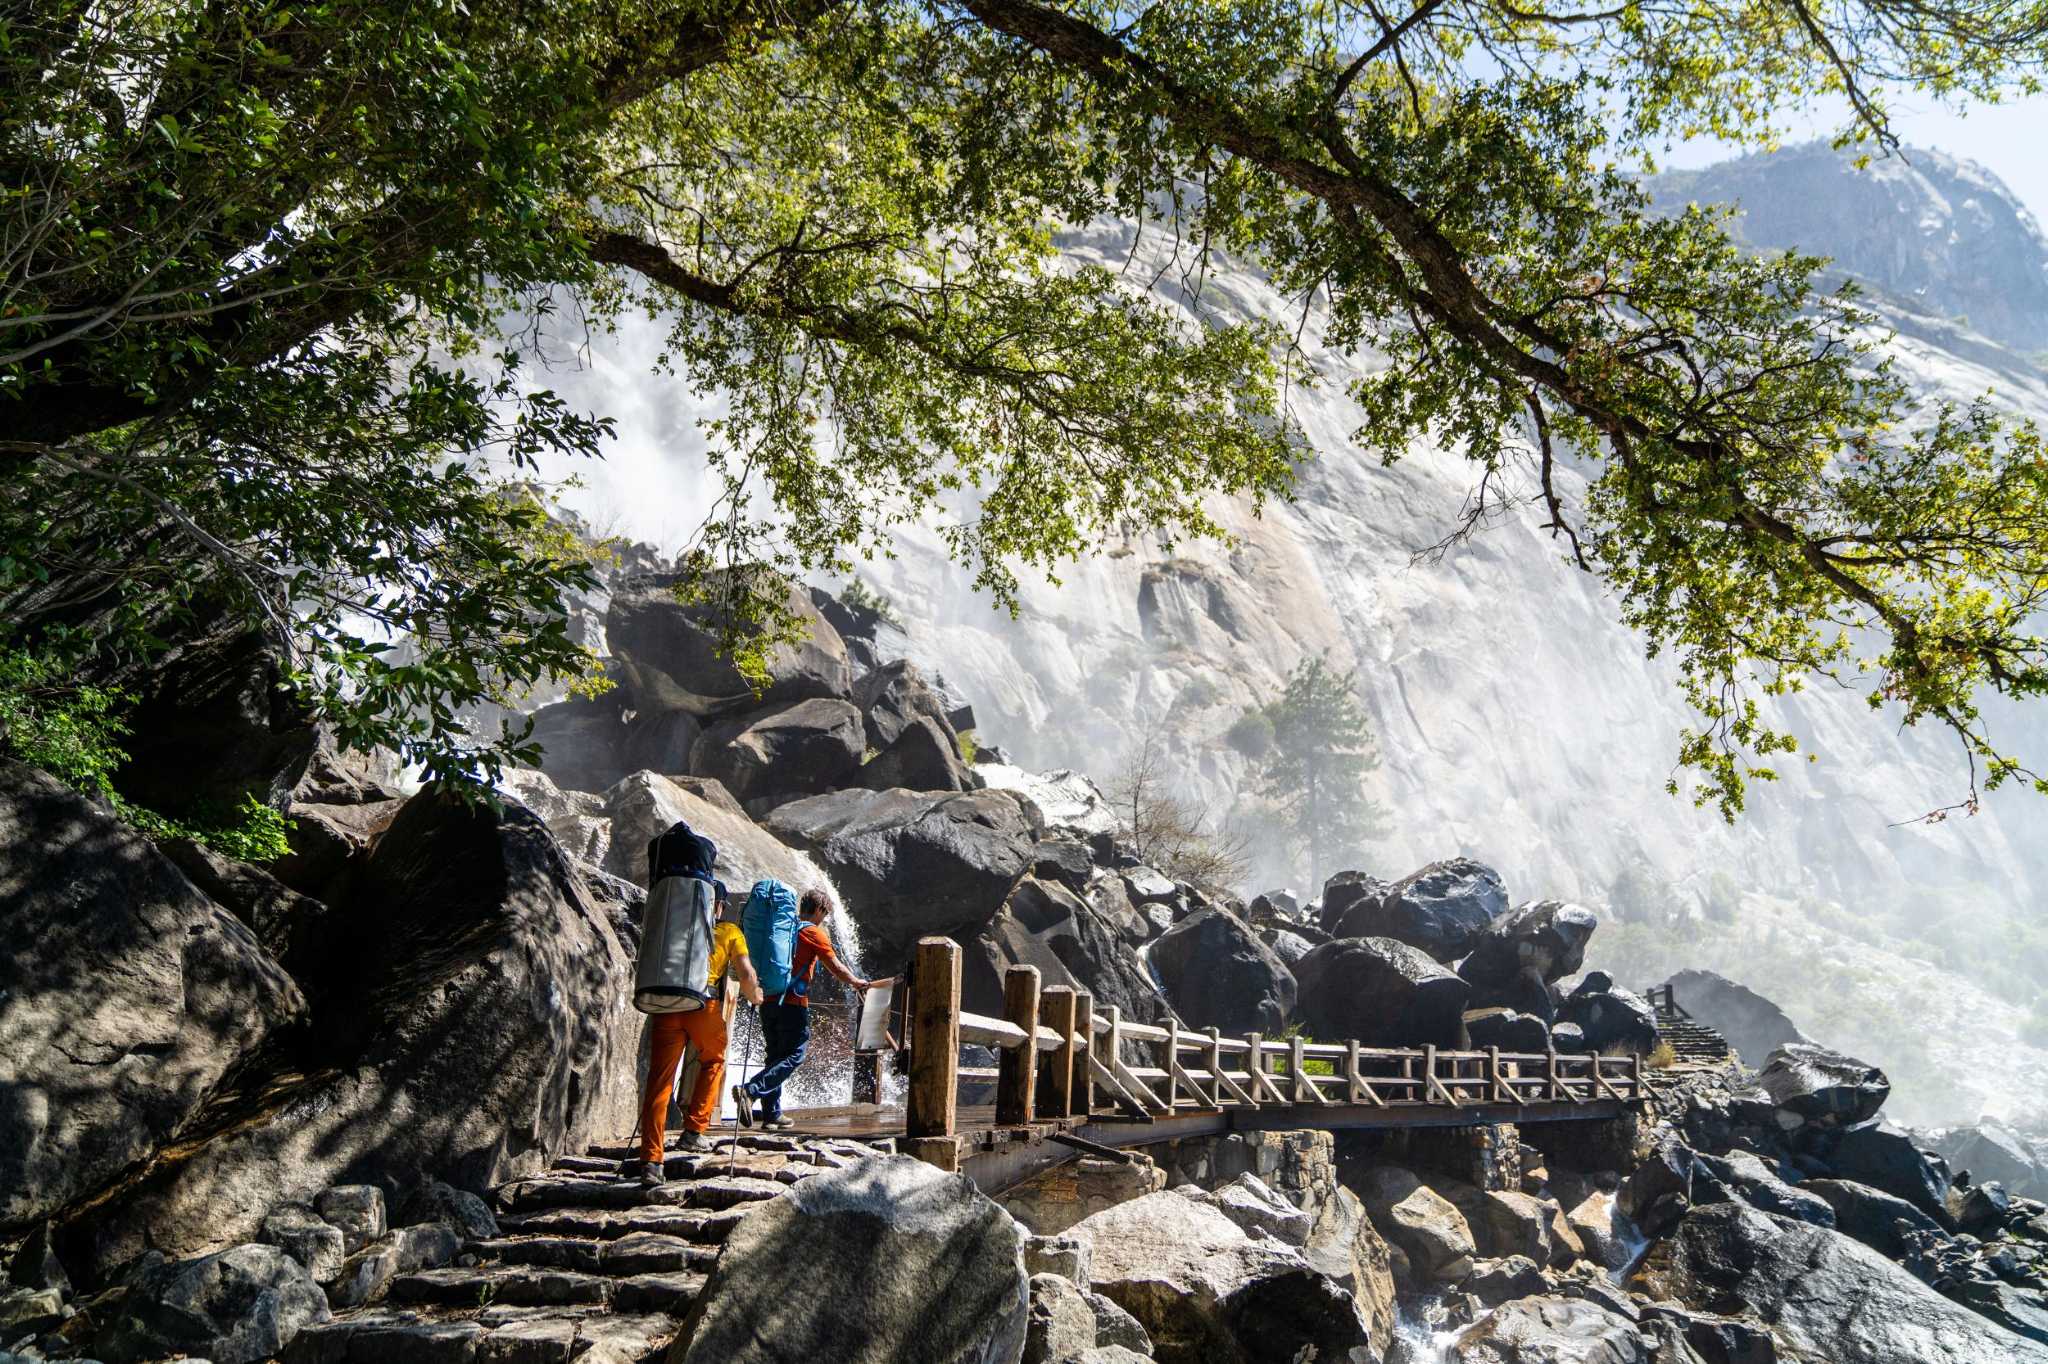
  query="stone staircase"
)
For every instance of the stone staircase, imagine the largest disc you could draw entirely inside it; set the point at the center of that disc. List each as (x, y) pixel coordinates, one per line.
(1695, 1043)
(587, 1265)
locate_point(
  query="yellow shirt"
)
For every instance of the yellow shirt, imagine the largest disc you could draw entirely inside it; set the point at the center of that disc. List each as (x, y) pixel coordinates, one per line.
(727, 942)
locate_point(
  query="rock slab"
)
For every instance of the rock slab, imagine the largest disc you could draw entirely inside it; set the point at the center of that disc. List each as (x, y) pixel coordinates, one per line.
(915, 1264)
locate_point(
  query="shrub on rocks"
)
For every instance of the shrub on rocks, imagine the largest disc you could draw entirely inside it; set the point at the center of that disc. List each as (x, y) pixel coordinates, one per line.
(915, 1264)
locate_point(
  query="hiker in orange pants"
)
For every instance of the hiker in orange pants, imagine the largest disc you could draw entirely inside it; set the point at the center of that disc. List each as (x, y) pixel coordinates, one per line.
(703, 1029)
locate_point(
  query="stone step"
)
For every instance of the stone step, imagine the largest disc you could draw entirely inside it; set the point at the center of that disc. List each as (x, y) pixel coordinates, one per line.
(748, 1141)
(699, 1225)
(670, 1293)
(595, 1191)
(637, 1252)
(496, 1335)
(721, 1191)
(485, 1286)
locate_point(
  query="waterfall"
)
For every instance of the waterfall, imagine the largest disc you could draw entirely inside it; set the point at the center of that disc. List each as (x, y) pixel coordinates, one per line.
(1420, 1335)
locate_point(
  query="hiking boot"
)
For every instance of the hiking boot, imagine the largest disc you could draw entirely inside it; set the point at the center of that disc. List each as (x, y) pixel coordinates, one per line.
(778, 1123)
(743, 1105)
(693, 1141)
(647, 1172)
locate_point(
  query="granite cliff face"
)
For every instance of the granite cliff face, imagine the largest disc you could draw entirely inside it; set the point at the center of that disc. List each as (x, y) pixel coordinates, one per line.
(1518, 721)
(1940, 233)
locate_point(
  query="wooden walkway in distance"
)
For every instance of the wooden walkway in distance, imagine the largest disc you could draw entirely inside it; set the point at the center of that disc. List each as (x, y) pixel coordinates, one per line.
(1066, 1082)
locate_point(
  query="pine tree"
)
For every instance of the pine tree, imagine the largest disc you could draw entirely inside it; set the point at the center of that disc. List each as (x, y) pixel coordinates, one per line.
(1315, 769)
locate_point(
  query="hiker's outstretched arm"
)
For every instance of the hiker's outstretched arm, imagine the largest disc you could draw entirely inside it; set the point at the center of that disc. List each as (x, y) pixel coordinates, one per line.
(750, 983)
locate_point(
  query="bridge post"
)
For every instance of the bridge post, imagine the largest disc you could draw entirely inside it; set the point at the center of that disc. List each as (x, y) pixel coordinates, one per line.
(1212, 1061)
(1056, 1007)
(867, 1077)
(1551, 1090)
(1081, 1098)
(1113, 1040)
(1635, 1073)
(1170, 1050)
(1297, 1068)
(1017, 1069)
(932, 1109)
(1352, 1079)
(1255, 1066)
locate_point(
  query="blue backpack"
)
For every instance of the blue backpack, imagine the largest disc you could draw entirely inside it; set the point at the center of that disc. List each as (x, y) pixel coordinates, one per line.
(769, 922)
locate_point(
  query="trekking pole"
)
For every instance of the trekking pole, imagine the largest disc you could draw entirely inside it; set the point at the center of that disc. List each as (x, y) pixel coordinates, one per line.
(732, 1163)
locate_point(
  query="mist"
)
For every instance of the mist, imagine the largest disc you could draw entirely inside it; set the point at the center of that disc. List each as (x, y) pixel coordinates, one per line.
(1517, 721)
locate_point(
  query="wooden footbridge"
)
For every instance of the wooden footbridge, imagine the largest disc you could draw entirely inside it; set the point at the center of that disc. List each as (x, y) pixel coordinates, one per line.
(1066, 1083)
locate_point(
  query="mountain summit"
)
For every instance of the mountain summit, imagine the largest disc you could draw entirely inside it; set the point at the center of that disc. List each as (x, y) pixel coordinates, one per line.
(1936, 232)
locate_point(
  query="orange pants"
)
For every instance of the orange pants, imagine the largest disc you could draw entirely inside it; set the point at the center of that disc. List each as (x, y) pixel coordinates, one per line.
(705, 1030)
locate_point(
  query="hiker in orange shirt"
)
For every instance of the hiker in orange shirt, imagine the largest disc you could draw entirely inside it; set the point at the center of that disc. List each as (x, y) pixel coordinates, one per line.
(704, 1029)
(786, 1018)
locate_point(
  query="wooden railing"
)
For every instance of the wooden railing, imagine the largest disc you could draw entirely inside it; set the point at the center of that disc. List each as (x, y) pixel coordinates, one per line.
(1664, 1000)
(1058, 1060)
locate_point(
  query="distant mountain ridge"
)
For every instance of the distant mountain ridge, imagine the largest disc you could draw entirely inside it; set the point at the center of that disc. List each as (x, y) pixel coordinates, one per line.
(1937, 232)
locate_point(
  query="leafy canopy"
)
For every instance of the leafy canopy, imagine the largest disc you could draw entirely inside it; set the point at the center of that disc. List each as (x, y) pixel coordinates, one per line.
(277, 280)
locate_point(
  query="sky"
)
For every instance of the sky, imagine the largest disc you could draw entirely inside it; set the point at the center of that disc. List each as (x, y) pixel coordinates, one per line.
(2009, 139)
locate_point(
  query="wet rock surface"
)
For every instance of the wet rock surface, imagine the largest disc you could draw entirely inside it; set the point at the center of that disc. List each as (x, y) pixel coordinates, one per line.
(1382, 992)
(1440, 910)
(1217, 973)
